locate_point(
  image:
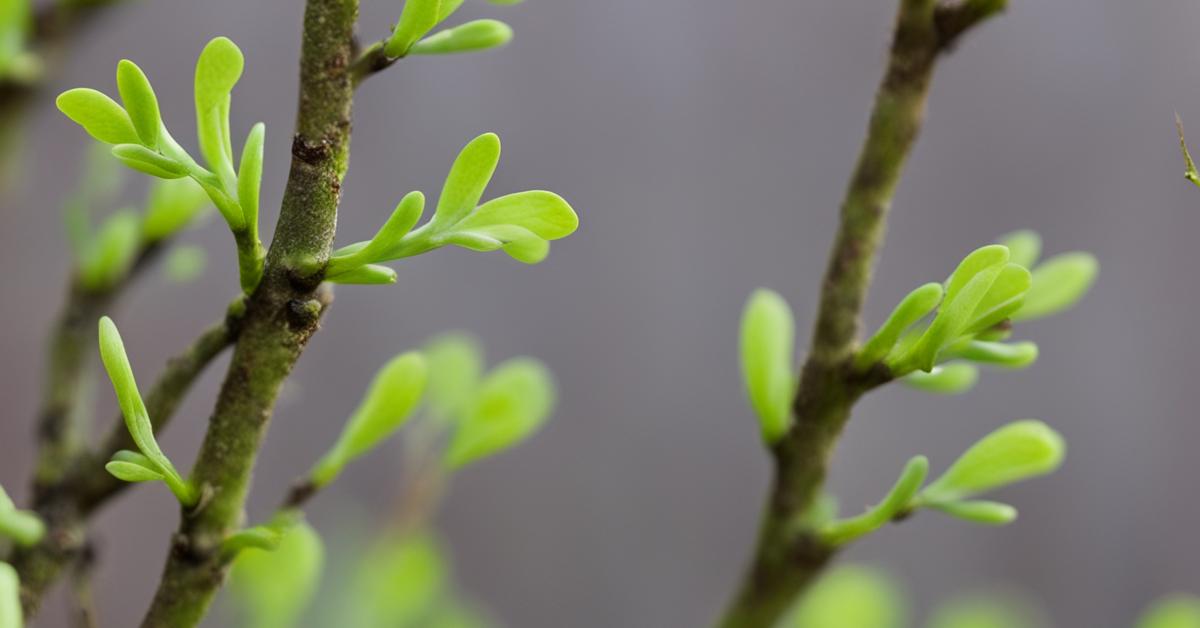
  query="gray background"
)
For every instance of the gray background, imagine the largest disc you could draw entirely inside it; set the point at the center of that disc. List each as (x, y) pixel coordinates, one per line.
(705, 145)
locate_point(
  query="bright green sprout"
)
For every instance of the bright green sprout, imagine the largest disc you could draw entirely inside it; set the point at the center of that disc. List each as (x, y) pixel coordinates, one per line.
(390, 400)
(185, 263)
(895, 504)
(912, 308)
(1173, 611)
(523, 224)
(141, 141)
(264, 537)
(767, 341)
(274, 587)
(850, 596)
(398, 581)
(419, 17)
(22, 526)
(171, 205)
(987, 610)
(110, 254)
(945, 379)
(151, 463)
(10, 597)
(1015, 452)
(455, 370)
(513, 401)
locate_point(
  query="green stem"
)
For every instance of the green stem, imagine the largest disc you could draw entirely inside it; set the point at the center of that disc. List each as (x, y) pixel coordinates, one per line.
(790, 553)
(281, 315)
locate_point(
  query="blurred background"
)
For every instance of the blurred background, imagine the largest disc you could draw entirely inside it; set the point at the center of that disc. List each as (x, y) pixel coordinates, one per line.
(705, 146)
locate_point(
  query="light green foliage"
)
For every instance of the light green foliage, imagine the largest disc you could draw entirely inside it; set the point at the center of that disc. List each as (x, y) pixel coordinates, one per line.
(945, 379)
(10, 596)
(419, 17)
(522, 224)
(137, 421)
(1024, 247)
(16, 20)
(455, 370)
(470, 37)
(274, 587)
(893, 505)
(390, 400)
(185, 263)
(513, 401)
(131, 466)
(399, 582)
(141, 141)
(912, 308)
(264, 537)
(986, 610)
(110, 253)
(1058, 283)
(1009, 355)
(978, 511)
(171, 206)
(851, 596)
(22, 526)
(767, 341)
(1172, 611)
(1015, 452)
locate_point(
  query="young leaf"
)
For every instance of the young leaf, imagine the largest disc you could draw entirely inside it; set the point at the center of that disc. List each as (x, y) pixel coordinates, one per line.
(1005, 297)
(417, 18)
(170, 206)
(1015, 452)
(983, 258)
(469, 37)
(249, 177)
(951, 320)
(402, 220)
(1024, 247)
(985, 512)
(1173, 611)
(137, 421)
(545, 214)
(945, 379)
(133, 470)
(912, 308)
(140, 102)
(850, 596)
(988, 610)
(468, 178)
(1016, 355)
(767, 342)
(369, 274)
(10, 597)
(99, 115)
(513, 402)
(399, 581)
(455, 367)
(217, 71)
(185, 263)
(23, 527)
(111, 252)
(391, 398)
(145, 160)
(274, 587)
(895, 503)
(1058, 283)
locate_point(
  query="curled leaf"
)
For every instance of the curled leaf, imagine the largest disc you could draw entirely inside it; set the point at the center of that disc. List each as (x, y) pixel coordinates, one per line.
(894, 504)
(1015, 355)
(767, 342)
(130, 466)
(1004, 297)
(912, 308)
(149, 162)
(249, 177)
(984, 512)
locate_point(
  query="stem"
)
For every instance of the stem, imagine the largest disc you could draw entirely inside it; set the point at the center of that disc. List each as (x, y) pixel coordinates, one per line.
(790, 553)
(281, 316)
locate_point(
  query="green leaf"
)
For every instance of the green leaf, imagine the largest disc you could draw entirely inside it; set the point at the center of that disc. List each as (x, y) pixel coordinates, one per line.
(185, 263)
(130, 466)
(514, 400)
(1058, 284)
(985, 512)
(851, 596)
(137, 420)
(370, 274)
(140, 102)
(470, 37)
(544, 214)
(1024, 247)
(391, 398)
(22, 526)
(912, 308)
(1173, 611)
(987, 610)
(111, 252)
(10, 597)
(274, 587)
(945, 379)
(266, 537)
(171, 206)
(952, 319)
(767, 342)
(979, 260)
(1016, 355)
(1015, 452)
(468, 178)
(217, 71)
(455, 368)
(99, 115)
(399, 581)
(402, 220)
(893, 505)
(1005, 297)
(417, 18)
(145, 160)
(249, 177)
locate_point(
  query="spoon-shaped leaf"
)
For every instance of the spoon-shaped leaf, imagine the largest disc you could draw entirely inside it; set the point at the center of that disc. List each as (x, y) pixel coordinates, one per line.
(1058, 283)
(985, 512)
(1005, 297)
(468, 178)
(417, 18)
(951, 320)
(912, 308)
(391, 398)
(470, 37)
(218, 69)
(130, 466)
(514, 400)
(140, 102)
(455, 368)
(99, 115)
(386, 240)
(983, 258)
(1015, 452)
(767, 342)
(274, 587)
(1016, 355)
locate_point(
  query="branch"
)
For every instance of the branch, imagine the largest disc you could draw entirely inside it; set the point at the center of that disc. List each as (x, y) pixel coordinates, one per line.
(372, 61)
(65, 504)
(281, 316)
(789, 554)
